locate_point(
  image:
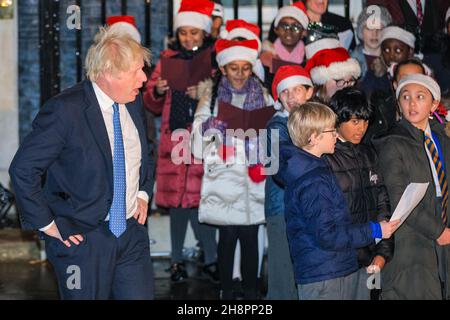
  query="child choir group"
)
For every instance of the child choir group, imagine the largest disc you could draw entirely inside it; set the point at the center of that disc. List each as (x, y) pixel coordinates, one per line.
(355, 126)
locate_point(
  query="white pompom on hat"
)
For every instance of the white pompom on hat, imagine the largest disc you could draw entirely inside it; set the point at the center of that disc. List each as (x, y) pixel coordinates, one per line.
(334, 63)
(125, 24)
(231, 50)
(400, 34)
(238, 28)
(296, 11)
(421, 79)
(195, 13)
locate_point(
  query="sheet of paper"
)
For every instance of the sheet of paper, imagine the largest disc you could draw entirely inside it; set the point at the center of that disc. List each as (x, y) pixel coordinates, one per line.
(411, 197)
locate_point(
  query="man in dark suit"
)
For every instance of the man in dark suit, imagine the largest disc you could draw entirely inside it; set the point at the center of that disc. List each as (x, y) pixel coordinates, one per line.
(84, 176)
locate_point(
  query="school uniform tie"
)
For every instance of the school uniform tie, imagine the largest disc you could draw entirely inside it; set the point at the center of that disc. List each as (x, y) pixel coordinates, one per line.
(442, 177)
(419, 12)
(117, 213)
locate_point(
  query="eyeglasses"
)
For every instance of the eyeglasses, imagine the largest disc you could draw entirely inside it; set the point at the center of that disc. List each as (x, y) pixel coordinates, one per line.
(333, 131)
(294, 27)
(344, 83)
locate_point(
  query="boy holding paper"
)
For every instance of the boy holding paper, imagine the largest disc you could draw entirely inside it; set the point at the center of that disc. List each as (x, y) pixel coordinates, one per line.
(322, 238)
(357, 172)
(416, 150)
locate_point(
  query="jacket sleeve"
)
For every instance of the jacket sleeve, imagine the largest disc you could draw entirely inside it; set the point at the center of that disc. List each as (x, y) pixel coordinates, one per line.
(152, 101)
(385, 247)
(36, 154)
(323, 214)
(395, 174)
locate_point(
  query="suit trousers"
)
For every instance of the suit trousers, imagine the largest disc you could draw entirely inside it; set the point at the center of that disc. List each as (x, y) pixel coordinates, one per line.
(103, 266)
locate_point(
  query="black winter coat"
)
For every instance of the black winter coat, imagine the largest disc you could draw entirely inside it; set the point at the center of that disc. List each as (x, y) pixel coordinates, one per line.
(358, 175)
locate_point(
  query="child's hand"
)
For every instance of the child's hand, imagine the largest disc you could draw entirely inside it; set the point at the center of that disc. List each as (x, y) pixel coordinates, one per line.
(377, 265)
(161, 86)
(192, 92)
(388, 228)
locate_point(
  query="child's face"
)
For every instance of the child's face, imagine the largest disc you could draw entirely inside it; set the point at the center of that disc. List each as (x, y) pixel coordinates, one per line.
(371, 38)
(396, 51)
(237, 72)
(327, 140)
(353, 130)
(290, 31)
(332, 85)
(416, 103)
(190, 37)
(295, 96)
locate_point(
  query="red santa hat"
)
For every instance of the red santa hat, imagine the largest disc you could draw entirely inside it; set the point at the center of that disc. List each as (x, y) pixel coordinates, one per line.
(241, 29)
(296, 11)
(334, 63)
(325, 43)
(288, 77)
(229, 50)
(195, 13)
(125, 24)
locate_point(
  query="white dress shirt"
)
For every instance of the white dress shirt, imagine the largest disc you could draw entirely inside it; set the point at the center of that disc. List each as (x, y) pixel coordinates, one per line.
(413, 5)
(132, 148)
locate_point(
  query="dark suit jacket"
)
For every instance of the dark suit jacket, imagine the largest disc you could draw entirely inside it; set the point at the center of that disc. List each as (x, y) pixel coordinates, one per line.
(69, 146)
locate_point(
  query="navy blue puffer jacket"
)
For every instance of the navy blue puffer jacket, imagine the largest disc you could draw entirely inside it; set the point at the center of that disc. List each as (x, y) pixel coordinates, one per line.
(322, 238)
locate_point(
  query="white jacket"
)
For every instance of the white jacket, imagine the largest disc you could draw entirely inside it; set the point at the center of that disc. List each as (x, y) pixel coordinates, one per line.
(228, 195)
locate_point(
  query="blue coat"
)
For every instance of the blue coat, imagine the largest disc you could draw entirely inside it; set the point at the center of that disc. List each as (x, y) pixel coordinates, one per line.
(69, 144)
(274, 201)
(321, 236)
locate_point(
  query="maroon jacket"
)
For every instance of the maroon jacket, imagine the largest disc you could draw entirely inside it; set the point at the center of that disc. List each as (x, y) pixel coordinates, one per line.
(177, 185)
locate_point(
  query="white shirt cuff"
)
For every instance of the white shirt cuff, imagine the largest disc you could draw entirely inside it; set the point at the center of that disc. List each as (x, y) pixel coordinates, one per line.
(47, 227)
(143, 195)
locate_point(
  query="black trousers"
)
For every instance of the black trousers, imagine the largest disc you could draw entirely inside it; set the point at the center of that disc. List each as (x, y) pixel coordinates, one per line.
(103, 266)
(248, 238)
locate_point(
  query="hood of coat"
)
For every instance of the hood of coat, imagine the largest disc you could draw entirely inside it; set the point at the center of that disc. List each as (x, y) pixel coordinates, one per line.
(296, 163)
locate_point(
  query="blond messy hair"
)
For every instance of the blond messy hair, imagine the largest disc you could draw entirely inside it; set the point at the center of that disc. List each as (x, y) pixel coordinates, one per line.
(113, 52)
(307, 119)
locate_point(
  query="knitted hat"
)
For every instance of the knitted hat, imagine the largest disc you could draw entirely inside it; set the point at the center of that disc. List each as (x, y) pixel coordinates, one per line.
(288, 77)
(241, 29)
(125, 24)
(296, 11)
(229, 50)
(399, 34)
(195, 13)
(380, 21)
(329, 64)
(423, 80)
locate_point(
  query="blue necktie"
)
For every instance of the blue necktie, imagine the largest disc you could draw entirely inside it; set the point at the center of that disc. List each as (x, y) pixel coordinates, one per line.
(117, 213)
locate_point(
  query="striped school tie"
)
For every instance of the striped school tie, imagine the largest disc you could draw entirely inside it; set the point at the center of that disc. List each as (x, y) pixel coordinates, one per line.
(441, 175)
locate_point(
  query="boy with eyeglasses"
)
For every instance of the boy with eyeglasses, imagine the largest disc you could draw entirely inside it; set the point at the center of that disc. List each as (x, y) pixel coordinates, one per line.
(322, 239)
(290, 26)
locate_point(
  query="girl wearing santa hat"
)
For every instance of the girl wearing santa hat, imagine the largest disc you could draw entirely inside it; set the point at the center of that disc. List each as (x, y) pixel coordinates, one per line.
(290, 26)
(331, 67)
(178, 185)
(291, 88)
(232, 194)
